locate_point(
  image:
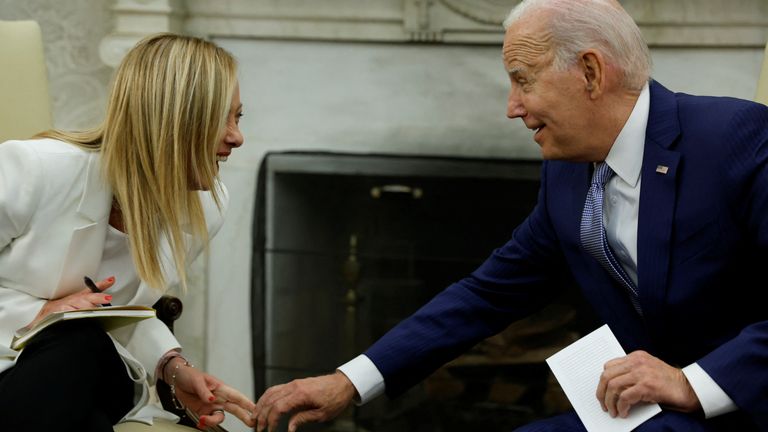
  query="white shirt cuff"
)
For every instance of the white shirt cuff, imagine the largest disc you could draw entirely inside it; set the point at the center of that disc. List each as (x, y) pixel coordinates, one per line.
(713, 399)
(366, 378)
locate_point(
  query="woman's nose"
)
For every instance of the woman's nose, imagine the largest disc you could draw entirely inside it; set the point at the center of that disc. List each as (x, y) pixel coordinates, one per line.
(234, 137)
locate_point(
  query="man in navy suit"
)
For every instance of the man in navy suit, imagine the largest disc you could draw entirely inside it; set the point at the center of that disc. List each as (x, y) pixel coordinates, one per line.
(684, 222)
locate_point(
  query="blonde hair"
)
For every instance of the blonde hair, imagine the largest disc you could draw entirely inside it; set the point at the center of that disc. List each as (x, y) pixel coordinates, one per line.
(165, 117)
(580, 25)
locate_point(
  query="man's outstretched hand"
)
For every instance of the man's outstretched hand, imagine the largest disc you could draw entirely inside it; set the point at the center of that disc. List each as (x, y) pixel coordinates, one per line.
(308, 400)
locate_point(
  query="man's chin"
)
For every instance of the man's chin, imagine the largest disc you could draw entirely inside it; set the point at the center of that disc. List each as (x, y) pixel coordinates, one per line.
(547, 152)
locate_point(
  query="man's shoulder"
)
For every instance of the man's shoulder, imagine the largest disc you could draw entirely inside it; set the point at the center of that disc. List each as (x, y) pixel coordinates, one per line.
(704, 104)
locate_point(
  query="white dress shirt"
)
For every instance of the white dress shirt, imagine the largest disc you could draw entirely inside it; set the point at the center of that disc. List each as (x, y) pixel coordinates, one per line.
(620, 212)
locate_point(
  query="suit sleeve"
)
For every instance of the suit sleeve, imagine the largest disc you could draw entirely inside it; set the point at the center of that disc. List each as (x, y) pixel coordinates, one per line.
(21, 187)
(150, 339)
(739, 365)
(516, 280)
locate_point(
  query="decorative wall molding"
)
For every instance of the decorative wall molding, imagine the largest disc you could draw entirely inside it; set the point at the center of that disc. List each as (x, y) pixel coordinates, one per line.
(681, 23)
(701, 23)
(135, 19)
(484, 11)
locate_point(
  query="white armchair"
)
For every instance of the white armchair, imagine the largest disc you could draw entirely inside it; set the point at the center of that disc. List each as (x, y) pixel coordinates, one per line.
(762, 82)
(25, 105)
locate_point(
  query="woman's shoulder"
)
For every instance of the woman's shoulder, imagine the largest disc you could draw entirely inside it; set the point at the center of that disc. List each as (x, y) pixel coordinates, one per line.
(50, 155)
(41, 146)
(43, 161)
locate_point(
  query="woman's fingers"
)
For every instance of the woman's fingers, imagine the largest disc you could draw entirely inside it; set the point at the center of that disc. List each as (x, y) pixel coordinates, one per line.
(105, 283)
(245, 414)
(102, 285)
(213, 419)
(236, 403)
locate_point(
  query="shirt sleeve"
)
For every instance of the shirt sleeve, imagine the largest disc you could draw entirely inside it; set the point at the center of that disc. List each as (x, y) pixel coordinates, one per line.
(714, 401)
(366, 378)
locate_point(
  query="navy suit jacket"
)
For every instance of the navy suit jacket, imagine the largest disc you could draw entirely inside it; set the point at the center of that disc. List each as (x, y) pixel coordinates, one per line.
(702, 245)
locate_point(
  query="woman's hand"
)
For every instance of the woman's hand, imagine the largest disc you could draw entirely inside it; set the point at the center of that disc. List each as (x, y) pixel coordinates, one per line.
(80, 300)
(207, 396)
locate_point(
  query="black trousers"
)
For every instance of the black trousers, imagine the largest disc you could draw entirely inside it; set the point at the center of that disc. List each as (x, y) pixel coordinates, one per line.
(69, 378)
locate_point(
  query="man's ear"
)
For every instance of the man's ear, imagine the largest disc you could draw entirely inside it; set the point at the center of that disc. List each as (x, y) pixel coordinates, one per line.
(593, 68)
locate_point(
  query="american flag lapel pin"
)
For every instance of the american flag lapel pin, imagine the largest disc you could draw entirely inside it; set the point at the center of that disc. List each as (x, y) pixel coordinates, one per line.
(662, 169)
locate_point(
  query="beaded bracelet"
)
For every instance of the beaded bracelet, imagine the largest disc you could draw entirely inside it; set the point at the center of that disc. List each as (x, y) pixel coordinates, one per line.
(178, 405)
(164, 363)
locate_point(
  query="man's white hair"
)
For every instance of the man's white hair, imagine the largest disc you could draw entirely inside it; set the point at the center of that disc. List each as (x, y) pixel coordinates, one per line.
(578, 25)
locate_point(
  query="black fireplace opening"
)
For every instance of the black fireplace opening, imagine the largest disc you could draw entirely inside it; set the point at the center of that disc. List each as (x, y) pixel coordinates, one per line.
(348, 245)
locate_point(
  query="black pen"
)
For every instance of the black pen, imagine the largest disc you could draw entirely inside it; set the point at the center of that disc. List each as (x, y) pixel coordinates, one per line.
(92, 286)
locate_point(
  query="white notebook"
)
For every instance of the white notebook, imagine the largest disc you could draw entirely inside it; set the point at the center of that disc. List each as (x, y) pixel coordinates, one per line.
(109, 317)
(577, 368)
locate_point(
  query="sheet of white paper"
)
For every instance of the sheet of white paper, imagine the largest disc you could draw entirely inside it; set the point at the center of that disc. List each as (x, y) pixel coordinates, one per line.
(578, 367)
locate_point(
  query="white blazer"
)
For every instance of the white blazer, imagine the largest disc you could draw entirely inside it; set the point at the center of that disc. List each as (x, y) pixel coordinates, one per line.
(54, 217)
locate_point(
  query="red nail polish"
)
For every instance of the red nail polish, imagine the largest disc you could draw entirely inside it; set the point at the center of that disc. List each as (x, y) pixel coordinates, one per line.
(201, 424)
(111, 279)
(108, 298)
(212, 398)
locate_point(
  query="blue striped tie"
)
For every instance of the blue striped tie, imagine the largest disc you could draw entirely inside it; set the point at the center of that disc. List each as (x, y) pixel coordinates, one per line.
(593, 237)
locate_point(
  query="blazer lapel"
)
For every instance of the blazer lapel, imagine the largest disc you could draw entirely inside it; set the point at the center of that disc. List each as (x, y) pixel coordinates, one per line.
(657, 203)
(86, 247)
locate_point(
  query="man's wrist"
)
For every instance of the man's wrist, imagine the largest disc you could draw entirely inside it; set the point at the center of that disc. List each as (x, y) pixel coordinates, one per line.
(349, 390)
(365, 377)
(714, 401)
(689, 400)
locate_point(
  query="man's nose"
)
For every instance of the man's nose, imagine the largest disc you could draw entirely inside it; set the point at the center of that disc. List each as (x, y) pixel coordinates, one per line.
(515, 107)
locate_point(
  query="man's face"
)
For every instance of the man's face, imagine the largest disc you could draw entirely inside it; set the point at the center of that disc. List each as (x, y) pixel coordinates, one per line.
(554, 104)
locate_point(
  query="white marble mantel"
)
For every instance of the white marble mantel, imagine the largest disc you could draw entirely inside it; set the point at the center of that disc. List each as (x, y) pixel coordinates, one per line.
(686, 23)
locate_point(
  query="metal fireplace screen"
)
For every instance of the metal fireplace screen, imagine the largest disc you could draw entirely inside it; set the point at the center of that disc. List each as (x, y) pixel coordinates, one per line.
(348, 245)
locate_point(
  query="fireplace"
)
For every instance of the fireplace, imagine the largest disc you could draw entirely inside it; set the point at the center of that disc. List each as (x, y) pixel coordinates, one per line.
(347, 245)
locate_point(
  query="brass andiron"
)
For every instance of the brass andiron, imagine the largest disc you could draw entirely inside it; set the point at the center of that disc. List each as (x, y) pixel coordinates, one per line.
(351, 273)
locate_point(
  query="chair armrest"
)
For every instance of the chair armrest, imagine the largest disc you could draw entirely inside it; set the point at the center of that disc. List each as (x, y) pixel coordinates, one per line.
(168, 310)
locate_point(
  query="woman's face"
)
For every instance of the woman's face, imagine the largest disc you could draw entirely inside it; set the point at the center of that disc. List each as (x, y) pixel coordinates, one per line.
(230, 139)
(232, 136)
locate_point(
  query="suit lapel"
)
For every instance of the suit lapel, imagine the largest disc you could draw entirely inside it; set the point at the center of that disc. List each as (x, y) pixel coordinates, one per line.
(87, 244)
(657, 203)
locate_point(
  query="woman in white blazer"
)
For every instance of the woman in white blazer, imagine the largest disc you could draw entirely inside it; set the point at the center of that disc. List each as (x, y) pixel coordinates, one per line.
(129, 203)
